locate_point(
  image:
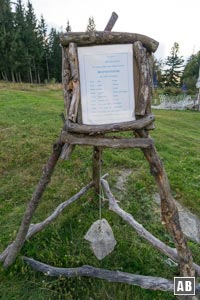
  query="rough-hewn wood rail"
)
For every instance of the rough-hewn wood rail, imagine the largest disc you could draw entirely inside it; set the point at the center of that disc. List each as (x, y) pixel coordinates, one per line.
(106, 128)
(106, 38)
(145, 282)
(107, 142)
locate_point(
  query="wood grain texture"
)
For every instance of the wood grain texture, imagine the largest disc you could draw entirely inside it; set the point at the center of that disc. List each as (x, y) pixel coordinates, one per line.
(155, 242)
(66, 77)
(102, 129)
(169, 211)
(107, 38)
(144, 81)
(75, 82)
(146, 282)
(71, 86)
(107, 142)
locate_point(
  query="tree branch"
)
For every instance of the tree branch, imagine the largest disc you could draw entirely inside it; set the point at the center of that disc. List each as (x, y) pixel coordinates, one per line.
(146, 282)
(101, 129)
(168, 251)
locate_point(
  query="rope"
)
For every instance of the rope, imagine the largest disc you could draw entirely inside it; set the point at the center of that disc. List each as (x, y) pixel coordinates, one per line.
(100, 199)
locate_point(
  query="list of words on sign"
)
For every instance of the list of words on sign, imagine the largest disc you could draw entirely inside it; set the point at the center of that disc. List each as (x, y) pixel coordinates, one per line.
(107, 91)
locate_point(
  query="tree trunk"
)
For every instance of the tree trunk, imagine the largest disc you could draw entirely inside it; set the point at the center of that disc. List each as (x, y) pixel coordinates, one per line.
(30, 75)
(47, 67)
(13, 76)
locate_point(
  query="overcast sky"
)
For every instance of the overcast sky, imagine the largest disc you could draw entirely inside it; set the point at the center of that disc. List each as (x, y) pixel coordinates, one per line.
(166, 21)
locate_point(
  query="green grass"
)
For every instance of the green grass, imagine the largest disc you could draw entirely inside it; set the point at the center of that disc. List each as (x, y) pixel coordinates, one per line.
(30, 123)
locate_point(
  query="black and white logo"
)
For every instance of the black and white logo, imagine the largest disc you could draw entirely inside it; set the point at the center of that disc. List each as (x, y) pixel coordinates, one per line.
(184, 285)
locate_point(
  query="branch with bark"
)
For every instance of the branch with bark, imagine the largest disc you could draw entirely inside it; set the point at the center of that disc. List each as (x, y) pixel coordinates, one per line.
(146, 282)
(106, 38)
(108, 142)
(162, 247)
(35, 228)
(169, 211)
(106, 128)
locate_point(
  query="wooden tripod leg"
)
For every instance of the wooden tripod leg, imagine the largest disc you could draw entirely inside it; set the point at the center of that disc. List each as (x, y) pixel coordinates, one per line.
(32, 205)
(67, 151)
(97, 159)
(169, 210)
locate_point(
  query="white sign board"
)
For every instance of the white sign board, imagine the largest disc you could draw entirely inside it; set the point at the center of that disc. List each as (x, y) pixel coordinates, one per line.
(106, 79)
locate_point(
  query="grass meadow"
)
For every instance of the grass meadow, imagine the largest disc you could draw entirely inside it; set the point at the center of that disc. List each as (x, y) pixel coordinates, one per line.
(30, 122)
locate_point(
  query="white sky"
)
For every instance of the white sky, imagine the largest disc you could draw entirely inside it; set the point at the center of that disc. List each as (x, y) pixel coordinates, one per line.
(166, 21)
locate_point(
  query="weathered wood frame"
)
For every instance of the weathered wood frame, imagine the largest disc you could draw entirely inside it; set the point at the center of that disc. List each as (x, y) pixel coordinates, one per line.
(74, 132)
(142, 69)
(77, 133)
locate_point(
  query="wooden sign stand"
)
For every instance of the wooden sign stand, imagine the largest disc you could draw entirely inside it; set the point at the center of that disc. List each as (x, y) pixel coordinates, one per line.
(76, 133)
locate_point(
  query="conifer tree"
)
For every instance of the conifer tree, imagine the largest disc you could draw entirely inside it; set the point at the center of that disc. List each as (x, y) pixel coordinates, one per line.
(27, 52)
(68, 28)
(44, 43)
(7, 42)
(172, 74)
(191, 71)
(22, 55)
(55, 55)
(91, 24)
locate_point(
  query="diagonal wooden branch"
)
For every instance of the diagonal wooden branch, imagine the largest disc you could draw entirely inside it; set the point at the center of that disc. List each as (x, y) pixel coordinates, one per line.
(35, 228)
(169, 211)
(111, 22)
(168, 251)
(32, 205)
(146, 282)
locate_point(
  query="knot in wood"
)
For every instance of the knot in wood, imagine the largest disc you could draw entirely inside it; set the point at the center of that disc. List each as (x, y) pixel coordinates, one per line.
(154, 170)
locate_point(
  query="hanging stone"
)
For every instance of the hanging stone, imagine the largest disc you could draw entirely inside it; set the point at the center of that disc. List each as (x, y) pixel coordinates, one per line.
(101, 238)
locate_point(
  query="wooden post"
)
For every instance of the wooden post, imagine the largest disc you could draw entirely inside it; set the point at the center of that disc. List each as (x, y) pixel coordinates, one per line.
(97, 152)
(111, 22)
(143, 102)
(169, 210)
(97, 161)
(66, 75)
(71, 87)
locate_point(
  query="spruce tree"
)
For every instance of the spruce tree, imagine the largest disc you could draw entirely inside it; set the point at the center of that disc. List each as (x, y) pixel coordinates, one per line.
(68, 28)
(31, 41)
(55, 55)
(7, 42)
(22, 55)
(191, 71)
(91, 24)
(27, 52)
(45, 51)
(172, 74)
